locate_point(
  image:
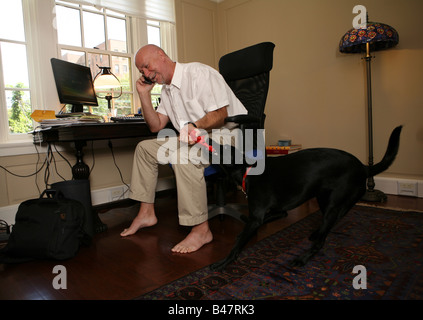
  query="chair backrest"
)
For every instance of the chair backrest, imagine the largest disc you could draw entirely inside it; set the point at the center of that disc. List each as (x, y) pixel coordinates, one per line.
(247, 72)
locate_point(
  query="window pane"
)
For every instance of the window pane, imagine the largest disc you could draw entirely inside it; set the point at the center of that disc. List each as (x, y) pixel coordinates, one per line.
(19, 111)
(15, 67)
(153, 34)
(68, 26)
(97, 59)
(74, 56)
(11, 21)
(94, 30)
(121, 69)
(155, 100)
(116, 29)
(123, 104)
(157, 89)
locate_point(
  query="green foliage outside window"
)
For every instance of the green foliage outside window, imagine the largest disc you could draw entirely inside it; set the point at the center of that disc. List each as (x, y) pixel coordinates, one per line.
(20, 113)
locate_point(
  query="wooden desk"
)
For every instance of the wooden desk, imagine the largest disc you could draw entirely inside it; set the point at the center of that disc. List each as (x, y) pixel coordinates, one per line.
(95, 131)
(79, 134)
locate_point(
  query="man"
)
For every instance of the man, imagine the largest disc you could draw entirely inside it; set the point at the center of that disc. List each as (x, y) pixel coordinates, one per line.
(194, 96)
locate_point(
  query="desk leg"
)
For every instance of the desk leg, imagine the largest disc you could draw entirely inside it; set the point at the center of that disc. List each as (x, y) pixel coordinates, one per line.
(81, 171)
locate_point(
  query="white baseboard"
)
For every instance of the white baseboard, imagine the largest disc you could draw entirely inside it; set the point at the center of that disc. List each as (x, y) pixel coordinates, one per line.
(392, 186)
(107, 195)
(99, 196)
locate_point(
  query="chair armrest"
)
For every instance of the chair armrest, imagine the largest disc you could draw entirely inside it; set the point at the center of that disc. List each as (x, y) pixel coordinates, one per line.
(243, 119)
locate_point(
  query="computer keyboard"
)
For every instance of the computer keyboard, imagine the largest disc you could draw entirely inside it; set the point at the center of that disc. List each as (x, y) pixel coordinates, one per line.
(128, 119)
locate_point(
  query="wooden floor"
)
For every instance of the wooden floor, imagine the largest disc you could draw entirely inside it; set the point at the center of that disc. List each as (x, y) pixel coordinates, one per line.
(125, 268)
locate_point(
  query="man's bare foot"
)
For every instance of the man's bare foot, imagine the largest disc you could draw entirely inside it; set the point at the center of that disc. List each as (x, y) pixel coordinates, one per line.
(146, 218)
(198, 237)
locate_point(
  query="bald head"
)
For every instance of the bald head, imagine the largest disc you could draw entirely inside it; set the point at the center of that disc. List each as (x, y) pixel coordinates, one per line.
(147, 52)
(154, 63)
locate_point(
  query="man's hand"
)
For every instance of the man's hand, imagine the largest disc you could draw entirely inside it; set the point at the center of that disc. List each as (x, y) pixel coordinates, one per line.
(143, 87)
(189, 134)
(155, 121)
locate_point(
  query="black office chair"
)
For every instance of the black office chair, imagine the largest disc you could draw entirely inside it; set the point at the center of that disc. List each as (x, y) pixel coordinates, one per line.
(247, 72)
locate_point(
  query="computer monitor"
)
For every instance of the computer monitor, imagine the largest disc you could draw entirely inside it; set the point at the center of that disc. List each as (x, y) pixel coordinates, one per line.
(74, 84)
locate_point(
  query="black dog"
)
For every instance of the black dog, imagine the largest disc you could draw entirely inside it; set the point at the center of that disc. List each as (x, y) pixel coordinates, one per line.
(335, 178)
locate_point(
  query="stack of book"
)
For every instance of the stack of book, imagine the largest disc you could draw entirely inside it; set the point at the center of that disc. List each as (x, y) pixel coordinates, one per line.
(278, 150)
(82, 119)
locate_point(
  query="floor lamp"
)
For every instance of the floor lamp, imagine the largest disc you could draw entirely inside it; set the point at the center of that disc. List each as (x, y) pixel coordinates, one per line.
(373, 36)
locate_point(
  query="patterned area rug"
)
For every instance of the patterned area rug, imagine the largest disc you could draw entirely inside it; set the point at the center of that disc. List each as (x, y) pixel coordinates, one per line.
(386, 245)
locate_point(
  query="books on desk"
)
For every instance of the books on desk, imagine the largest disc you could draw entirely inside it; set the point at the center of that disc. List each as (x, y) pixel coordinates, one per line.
(71, 120)
(280, 150)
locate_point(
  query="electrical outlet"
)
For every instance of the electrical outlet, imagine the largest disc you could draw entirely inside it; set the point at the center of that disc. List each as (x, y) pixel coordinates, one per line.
(407, 188)
(116, 194)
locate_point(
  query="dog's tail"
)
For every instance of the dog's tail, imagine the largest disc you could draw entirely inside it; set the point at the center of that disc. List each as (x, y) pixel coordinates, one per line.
(389, 157)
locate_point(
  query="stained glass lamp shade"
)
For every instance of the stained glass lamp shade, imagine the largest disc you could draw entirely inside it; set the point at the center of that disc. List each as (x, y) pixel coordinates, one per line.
(379, 36)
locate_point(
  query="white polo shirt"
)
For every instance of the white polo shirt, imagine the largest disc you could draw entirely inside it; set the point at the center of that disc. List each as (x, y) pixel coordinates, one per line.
(195, 90)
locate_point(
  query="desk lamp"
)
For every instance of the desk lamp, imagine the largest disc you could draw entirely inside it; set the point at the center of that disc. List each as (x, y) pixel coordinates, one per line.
(106, 81)
(372, 36)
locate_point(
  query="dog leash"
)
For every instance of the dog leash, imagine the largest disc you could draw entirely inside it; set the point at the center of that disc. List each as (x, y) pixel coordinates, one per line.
(243, 188)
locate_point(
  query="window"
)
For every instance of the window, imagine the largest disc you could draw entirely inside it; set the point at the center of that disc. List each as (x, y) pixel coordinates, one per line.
(153, 31)
(34, 31)
(97, 37)
(153, 34)
(14, 82)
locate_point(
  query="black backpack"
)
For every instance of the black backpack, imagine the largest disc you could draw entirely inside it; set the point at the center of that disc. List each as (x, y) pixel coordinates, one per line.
(49, 227)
